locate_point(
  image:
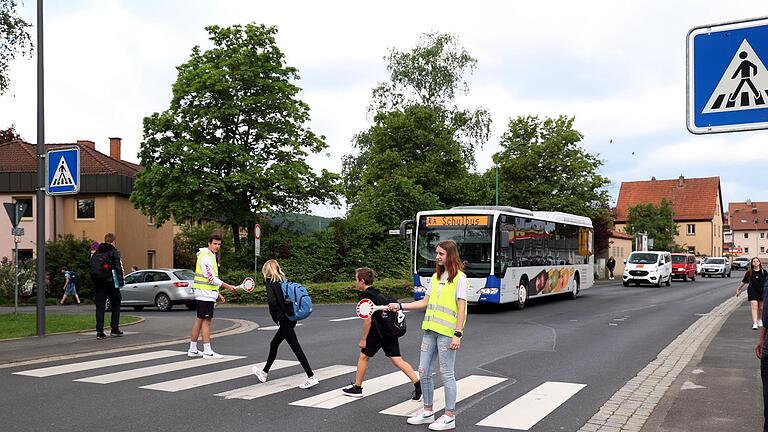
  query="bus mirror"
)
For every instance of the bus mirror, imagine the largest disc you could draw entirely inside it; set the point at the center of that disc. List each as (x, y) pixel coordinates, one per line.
(504, 239)
(404, 231)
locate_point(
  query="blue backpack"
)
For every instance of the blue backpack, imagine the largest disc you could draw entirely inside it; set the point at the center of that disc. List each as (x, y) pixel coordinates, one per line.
(298, 295)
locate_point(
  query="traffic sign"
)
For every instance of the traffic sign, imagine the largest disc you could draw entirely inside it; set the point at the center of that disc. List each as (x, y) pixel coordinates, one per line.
(257, 242)
(15, 212)
(727, 81)
(63, 172)
(18, 232)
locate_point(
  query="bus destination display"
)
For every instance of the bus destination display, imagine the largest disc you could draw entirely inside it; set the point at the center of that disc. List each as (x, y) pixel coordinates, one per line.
(457, 220)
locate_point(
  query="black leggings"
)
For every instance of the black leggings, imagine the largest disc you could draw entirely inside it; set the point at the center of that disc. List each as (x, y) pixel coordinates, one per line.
(286, 332)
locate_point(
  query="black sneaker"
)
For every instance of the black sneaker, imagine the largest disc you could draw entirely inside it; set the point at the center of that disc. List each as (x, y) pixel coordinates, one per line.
(416, 392)
(353, 391)
(116, 333)
(101, 336)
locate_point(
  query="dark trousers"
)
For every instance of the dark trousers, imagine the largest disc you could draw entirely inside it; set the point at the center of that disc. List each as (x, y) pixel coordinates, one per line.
(764, 376)
(610, 270)
(101, 291)
(286, 332)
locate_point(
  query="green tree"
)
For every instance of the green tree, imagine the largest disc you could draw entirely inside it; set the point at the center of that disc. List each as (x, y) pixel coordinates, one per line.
(15, 40)
(657, 222)
(233, 143)
(74, 253)
(543, 167)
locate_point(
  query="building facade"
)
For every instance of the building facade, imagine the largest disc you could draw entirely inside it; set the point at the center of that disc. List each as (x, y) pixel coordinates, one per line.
(749, 228)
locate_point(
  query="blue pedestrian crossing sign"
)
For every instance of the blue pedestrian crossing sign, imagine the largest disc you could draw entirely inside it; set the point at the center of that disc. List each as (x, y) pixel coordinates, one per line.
(63, 171)
(727, 79)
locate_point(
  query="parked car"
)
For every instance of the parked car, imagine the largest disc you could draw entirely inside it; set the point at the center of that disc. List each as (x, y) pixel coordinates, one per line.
(740, 263)
(684, 266)
(162, 288)
(716, 266)
(652, 267)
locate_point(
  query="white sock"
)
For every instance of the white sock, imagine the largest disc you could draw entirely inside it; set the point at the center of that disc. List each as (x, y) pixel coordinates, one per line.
(193, 346)
(207, 348)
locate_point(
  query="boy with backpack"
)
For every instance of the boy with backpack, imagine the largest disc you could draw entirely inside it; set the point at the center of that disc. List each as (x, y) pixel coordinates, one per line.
(377, 335)
(71, 281)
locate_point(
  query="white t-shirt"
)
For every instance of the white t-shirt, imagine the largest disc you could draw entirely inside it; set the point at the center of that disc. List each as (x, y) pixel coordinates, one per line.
(461, 285)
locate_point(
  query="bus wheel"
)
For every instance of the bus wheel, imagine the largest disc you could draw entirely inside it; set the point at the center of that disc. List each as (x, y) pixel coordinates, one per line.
(522, 296)
(576, 287)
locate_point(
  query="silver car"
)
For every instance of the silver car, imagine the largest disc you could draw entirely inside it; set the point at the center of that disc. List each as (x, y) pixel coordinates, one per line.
(161, 288)
(717, 266)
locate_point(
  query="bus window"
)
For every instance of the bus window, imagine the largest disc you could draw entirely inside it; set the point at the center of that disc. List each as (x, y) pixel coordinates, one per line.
(505, 245)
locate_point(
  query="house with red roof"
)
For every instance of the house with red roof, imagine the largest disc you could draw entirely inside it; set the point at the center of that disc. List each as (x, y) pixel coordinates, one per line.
(101, 206)
(749, 224)
(698, 208)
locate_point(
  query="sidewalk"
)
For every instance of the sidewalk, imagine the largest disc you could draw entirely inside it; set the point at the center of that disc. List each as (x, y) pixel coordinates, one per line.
(720, 389)
(157, 327)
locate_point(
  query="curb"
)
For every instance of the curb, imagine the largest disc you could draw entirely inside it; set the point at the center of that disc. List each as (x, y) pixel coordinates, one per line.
(631, 406)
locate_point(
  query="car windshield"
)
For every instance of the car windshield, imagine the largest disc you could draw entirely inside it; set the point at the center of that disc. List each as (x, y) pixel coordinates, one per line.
(678, 259)
(714, 261)
(643, 258)
(185, 274)
(742, 259)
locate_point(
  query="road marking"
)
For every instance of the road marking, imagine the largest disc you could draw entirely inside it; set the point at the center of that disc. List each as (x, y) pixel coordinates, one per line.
(527, 410)
(275, 327)
(270, 387)
(344, 319)
(335, 398)
(97, 364)
(466, 387)
(154, 370)
(213, 377)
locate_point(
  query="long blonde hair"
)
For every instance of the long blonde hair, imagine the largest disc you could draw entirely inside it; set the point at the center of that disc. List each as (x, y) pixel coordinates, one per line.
(272, 271)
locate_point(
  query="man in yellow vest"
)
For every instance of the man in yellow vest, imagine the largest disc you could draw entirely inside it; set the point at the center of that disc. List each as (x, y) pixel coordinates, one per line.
(206, 287)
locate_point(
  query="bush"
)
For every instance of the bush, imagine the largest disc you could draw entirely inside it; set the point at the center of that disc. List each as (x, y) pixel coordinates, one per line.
(70, 252)
(329, 292)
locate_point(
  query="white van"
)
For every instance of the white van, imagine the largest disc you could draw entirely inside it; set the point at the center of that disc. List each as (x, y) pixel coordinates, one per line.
(651, 267)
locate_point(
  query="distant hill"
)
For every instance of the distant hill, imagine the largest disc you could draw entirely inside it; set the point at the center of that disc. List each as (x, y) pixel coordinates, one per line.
(305, 224)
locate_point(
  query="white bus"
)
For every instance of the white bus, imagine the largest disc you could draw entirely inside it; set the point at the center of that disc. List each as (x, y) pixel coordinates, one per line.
(509, 254)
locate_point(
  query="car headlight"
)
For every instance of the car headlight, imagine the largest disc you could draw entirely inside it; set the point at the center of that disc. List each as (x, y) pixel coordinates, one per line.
(490, 291)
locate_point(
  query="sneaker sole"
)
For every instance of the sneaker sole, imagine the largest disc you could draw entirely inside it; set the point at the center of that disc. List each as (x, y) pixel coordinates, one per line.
(308, 387)
(194, 355)
(207, 357)
(420, 422)
(353, 395)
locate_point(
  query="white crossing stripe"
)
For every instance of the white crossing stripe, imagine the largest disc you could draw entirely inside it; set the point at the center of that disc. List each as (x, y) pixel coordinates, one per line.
(466, 387)
(155, 370)
(214, 377)
(335, 398)
(275, 327)
(97, 364)
(270, 387)
(344, 319)
(527, 410)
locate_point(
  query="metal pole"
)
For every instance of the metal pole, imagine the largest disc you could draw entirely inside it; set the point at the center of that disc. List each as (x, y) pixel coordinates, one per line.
(40, 195)
(16, 281)
(497, 184)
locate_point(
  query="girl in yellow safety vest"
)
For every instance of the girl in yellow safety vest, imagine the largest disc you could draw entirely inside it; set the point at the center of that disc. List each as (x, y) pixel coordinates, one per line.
(445, 302)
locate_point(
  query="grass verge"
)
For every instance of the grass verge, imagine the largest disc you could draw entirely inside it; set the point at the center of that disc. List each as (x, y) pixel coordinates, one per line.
(15, 325)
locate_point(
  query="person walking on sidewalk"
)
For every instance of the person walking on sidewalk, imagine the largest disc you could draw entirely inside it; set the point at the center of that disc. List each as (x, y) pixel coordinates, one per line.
(206, 287)
(611, 264)
(755, 278)
(70, 285)
(445, 300)
(280, 309)
(107, 275)
(374, 339)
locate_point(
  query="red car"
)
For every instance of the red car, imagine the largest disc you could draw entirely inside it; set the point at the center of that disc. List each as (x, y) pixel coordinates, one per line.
(684, 266)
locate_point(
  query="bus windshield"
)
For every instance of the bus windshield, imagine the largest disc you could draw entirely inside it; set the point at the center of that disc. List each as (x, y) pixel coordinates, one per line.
(473, 236)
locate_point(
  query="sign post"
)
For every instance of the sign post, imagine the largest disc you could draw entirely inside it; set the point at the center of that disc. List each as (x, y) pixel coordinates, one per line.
(256, 248)
(15, 213)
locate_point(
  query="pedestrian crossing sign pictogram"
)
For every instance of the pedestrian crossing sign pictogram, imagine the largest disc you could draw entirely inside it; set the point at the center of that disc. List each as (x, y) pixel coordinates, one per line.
(727, 81)
(63, 171)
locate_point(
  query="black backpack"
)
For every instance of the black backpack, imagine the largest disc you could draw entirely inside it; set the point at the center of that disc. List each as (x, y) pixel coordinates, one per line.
(101, 265)
(389, 324)
(74, 278)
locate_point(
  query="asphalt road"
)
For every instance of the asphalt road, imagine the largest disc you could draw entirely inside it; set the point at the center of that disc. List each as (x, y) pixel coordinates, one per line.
(594, 344)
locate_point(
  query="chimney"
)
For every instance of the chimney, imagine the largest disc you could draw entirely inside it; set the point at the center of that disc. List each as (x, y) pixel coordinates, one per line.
(653, 178)
(114, 148)
(680, 181)
(87, 143)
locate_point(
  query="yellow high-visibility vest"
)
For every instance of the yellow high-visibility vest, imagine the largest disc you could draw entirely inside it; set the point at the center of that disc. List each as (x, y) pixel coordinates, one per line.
(201, 282)
(443, 309)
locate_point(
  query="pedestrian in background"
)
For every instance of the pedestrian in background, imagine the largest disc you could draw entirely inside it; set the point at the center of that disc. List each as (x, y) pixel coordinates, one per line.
(445, 300)
(107, 274)
(280, 310)
(70, 285)
(611, 264)
(755, 278)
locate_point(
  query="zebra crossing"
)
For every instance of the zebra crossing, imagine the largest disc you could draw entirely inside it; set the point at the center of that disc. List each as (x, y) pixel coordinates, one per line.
(522, 413)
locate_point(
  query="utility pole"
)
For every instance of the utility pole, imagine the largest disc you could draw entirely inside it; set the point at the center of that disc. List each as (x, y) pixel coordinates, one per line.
(40, 193)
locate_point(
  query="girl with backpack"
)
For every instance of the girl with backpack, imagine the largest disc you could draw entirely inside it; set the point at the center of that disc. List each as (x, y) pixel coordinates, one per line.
(445, 300)
(755, 278)
(70, 285)
(280, 309)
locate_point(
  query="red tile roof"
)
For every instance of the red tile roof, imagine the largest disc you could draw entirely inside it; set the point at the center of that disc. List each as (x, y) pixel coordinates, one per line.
(696, 199)
(19, 157)
(740, 211)
(619, 234)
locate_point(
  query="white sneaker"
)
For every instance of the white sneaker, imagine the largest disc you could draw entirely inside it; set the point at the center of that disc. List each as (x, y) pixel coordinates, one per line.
(754, 326)
(759, 323)
(212, 355)
(423, 417)
(193, 354)
(260, 374)
(443, 423)
(310, 382)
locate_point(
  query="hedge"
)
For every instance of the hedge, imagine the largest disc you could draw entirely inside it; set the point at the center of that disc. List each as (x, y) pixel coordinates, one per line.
(327, 292)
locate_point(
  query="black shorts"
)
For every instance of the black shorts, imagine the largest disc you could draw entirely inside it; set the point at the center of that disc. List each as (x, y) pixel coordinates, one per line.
(374, 342)
(205, 309)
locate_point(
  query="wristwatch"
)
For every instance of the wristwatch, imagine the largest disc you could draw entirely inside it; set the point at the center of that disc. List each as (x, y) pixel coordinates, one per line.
(458, 334)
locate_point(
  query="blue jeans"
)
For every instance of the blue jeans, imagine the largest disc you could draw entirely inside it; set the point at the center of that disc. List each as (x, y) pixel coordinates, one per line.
(436, 347)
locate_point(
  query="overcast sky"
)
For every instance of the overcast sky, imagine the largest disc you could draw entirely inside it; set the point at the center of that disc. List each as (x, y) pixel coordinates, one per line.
(618, 67)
